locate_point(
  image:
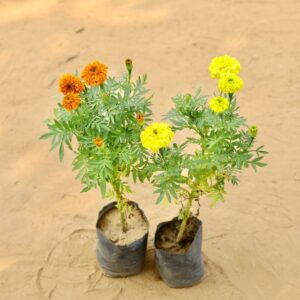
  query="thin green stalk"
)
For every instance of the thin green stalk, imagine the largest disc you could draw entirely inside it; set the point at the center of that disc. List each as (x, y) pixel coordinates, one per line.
(186, 216)
(122, 206)
(129, 67)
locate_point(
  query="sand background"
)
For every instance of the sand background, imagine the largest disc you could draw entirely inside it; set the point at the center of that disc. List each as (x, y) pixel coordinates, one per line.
(47, 237)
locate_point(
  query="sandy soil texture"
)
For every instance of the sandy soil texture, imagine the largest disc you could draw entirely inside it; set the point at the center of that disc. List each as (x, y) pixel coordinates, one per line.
(47, 228)
(110, 224)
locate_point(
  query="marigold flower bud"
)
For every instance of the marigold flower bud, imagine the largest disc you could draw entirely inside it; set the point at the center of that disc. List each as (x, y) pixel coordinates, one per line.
(129, 65)
(187, 98)
(98, 141)
(140, 118)
(253, 131)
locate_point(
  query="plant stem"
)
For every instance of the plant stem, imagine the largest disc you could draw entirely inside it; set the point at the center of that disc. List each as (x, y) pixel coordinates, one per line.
(122, 206)
(251, 141)
(187, 213)
(123, 220)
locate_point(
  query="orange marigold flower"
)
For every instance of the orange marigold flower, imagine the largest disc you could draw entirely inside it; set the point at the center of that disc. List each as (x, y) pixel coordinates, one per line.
(71, 101)
(94, 73)
(98, 141)
(69, 83)
(140, 118)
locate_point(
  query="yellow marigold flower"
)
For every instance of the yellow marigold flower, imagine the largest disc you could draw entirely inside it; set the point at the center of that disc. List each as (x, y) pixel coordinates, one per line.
(156, 136)
(71, 101)
(253, 131)
(69, 83)
(230, 83)
(218, 104)
(94, 73)
(98, 141)
(140, 118)
(221, 65)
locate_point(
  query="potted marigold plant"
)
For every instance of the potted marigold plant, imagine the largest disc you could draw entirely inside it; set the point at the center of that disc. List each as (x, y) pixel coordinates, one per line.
(224, 146)
(106, 117)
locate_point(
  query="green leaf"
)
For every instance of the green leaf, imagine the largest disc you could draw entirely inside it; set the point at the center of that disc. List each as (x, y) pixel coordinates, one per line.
(160, 198)
(173, 192)
(47, 135)
(86, 189)
(134, 175)
(169, 197)
(260, 164)
(61, 152)
(68, 142)
(102, 185)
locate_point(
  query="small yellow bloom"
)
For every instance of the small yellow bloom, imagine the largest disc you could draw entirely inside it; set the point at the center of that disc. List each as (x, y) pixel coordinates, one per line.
(157, 136)
(218, 104)
(253, 131)
(221, 65)
(98, 141)
(71, 101)
(94, 73)
(230, 83)
(69, 83)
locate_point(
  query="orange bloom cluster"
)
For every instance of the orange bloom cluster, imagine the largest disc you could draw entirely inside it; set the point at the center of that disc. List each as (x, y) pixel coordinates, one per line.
(71, 101)
(69, 83)
(71, 86)
(94, 73)
(139, 118)
(98, 141)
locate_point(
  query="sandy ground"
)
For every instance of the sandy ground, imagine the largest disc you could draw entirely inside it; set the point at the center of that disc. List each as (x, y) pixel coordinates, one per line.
(47, 228)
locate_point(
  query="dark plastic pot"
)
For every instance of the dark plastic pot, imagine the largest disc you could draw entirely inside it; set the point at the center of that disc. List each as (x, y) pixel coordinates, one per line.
(120, 261)
(180, 269)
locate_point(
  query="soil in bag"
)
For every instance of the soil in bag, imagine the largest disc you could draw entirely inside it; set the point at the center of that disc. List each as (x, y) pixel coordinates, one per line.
(110, 225)
(167, 234)
(179, 264)
(121, 254)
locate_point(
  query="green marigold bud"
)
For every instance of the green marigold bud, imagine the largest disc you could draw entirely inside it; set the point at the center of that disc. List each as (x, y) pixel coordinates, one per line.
(105, 97)
(253, 131)
(187, 98)
(129, 65)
